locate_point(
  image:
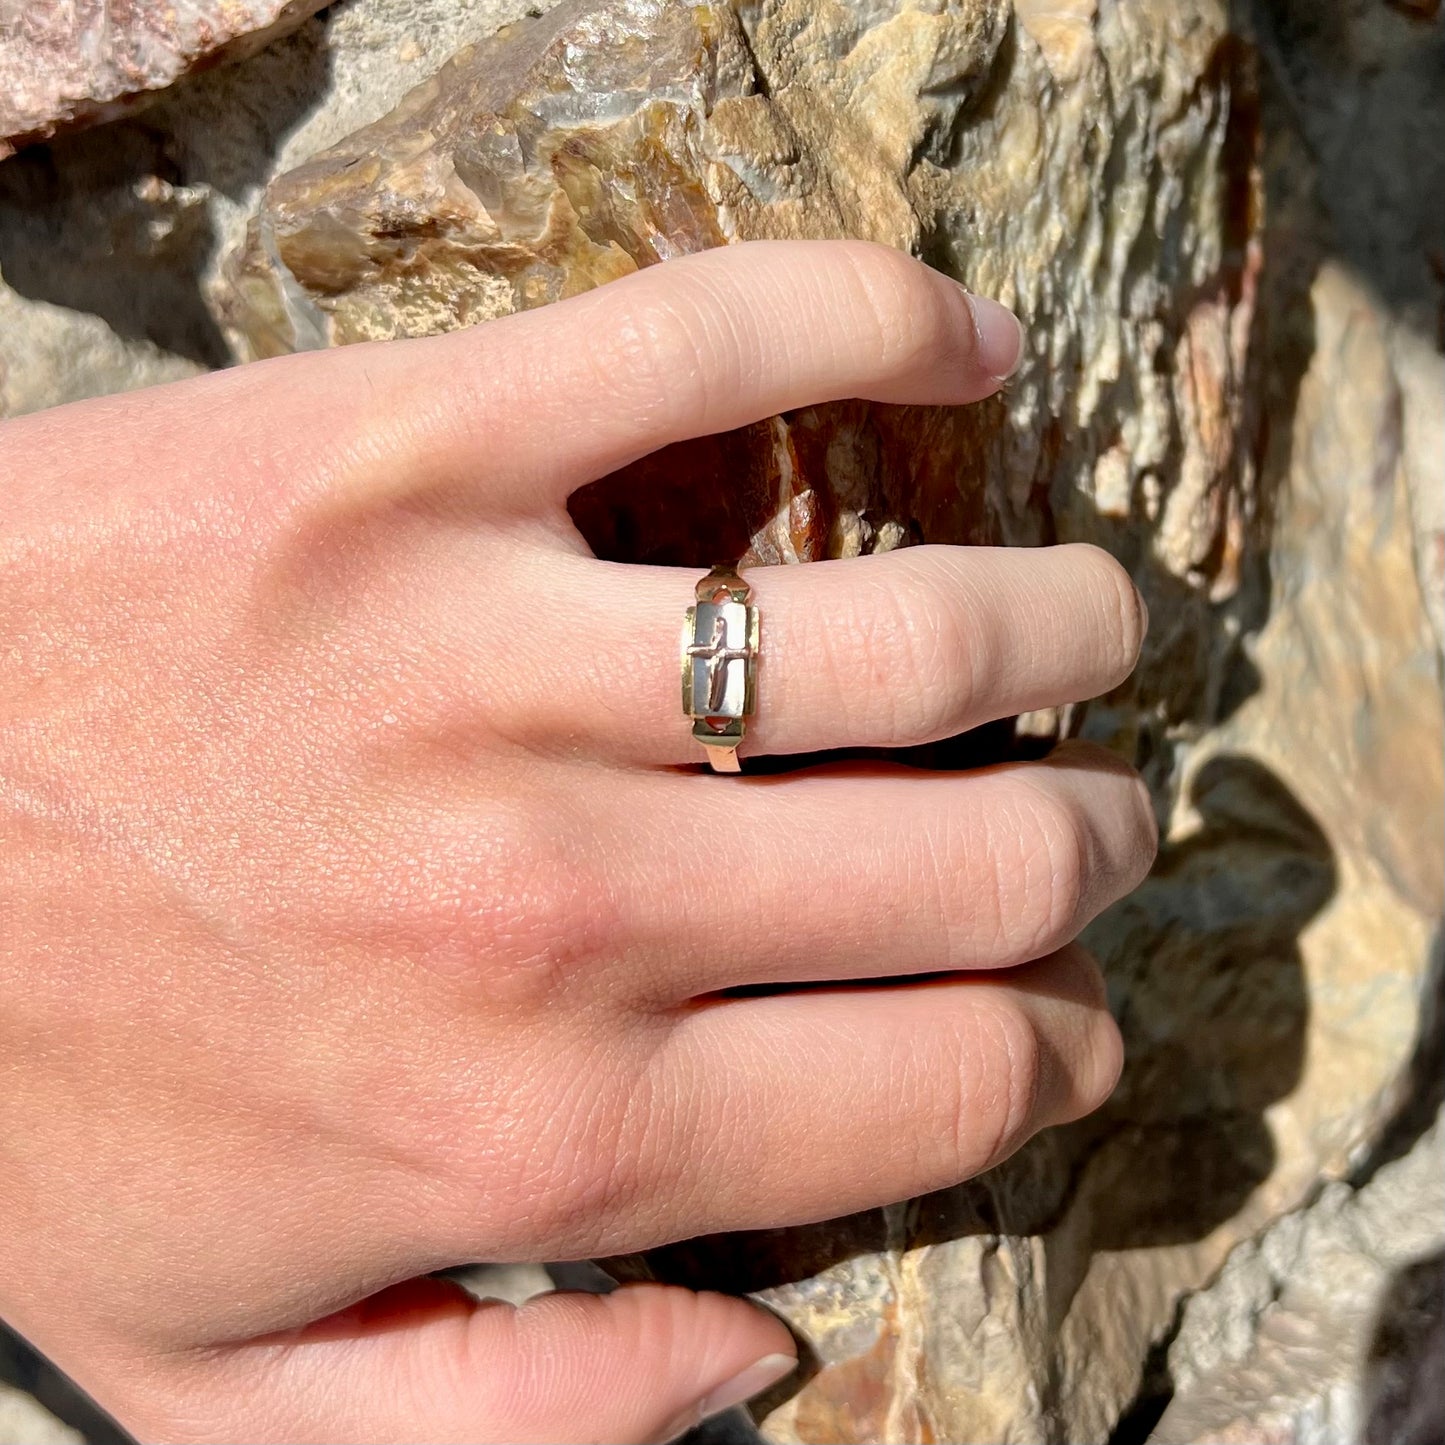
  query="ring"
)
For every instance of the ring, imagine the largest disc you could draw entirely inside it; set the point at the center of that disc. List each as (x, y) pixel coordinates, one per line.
(719, 665)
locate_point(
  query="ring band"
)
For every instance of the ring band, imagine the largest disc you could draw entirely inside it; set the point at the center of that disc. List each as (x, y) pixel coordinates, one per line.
(719, 665)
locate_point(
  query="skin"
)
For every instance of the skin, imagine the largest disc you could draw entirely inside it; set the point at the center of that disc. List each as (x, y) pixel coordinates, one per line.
(367, 910)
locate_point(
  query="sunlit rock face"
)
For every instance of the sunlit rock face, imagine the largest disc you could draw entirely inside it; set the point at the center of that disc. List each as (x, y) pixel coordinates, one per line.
(1207, 393)
(1329, 1326)
(598, 139)
(68, 62)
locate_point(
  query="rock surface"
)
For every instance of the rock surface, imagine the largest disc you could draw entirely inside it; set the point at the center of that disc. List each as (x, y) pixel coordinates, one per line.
(49, 355)
(1115, 173)
(69, 61)
(109, 239)
(1329, 1327)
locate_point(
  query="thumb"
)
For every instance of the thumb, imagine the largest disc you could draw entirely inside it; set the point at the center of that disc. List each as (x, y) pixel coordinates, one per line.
(425, 1361)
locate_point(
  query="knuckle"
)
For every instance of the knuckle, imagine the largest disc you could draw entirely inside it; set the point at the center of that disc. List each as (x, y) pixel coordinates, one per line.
(1095, 1050)
(598, 1180)
(1106, 1061)
(1146, 833)
(925, 661)
(1087, 982)
(1056, 844)
(666, 350)
(1124, 618)
(544, 913)
(511, 907)
(999, 1107)
(906, 324)
(1123, 831)
(581, 1173)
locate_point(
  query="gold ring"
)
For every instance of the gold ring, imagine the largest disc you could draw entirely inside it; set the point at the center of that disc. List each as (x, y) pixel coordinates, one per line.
(720, 665)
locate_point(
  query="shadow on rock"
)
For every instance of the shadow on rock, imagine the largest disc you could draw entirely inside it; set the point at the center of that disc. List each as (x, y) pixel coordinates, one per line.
(23, 1369)
(1405, 1370)
(119, 221)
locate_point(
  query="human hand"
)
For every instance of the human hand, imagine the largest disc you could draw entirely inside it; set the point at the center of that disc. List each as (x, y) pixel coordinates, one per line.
(358, 922)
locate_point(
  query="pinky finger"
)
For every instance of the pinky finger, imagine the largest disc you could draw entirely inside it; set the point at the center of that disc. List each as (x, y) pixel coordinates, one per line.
(424, 1361)
(888, 1092)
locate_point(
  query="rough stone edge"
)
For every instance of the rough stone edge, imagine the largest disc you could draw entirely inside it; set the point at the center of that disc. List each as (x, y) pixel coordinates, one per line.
(86, 111)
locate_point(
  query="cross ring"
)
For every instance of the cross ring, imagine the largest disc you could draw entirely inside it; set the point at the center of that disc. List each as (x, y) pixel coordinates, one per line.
(719, 665)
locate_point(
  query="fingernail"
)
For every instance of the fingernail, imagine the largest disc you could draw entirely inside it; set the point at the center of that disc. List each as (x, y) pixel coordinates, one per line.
(752, 1381)
(1000, 337)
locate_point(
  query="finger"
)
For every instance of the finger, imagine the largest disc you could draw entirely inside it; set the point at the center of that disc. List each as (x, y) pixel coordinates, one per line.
(850, 872)
(424, 1361)
(896, 649)
(887, 1093)
(523, 410)
(532, 406)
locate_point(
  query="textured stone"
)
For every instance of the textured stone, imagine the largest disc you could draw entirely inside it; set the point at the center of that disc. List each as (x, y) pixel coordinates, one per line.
(25, 1422)
(69, 61)
(49, 355)
(1330, 1327)
(1367, 89)
(116, 232)
(1237, 416)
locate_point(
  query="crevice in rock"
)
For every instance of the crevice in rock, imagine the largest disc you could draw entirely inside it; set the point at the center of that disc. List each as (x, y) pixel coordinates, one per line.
(760, 76)
(1156, 1388)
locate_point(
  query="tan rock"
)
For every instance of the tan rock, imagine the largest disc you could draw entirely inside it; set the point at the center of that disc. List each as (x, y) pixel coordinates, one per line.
(109, 238)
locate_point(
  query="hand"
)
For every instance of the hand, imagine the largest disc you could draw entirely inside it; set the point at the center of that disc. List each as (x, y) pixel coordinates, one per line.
(357, 920)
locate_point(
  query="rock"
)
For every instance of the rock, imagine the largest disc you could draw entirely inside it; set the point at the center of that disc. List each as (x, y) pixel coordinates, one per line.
(64, 62)
(109, 238)
(1208, 393)
(1330, 1326)
(49, 355)
(25, 1422)
(389, 238)
(1367, 89)
(513, 1283)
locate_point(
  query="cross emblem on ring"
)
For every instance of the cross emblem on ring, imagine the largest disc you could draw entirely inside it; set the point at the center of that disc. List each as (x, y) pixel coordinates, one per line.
(718, 655)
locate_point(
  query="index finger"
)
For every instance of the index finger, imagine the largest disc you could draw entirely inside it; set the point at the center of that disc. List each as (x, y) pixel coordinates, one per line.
(540, 403)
